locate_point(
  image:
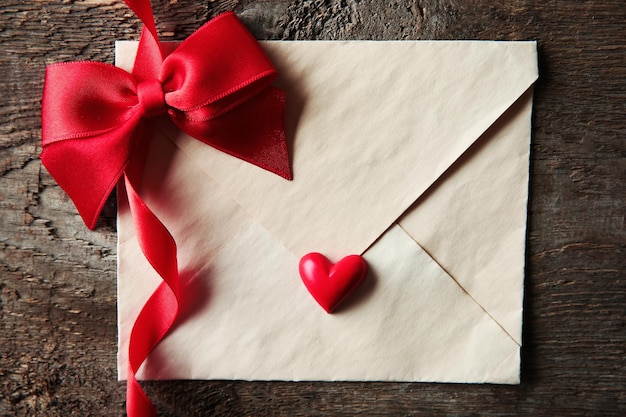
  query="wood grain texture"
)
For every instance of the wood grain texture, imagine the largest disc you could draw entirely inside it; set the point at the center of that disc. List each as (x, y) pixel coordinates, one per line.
(58, 291)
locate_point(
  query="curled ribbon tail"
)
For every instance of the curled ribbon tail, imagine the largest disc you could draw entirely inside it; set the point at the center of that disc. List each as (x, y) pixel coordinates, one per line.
(161, 309)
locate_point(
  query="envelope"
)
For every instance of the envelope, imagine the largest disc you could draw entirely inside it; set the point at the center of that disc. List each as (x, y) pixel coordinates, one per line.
(414, 154)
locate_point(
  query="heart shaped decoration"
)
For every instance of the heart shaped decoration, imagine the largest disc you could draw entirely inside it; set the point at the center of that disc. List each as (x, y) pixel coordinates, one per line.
(330, 284)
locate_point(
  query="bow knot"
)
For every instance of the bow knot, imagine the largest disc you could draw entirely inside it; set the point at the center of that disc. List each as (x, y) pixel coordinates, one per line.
(151, 98)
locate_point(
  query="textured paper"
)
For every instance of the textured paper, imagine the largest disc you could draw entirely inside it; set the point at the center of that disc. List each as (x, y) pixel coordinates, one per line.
(412, 153)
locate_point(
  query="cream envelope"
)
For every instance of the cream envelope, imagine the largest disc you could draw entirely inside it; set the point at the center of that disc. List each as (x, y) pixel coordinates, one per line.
(412, 153)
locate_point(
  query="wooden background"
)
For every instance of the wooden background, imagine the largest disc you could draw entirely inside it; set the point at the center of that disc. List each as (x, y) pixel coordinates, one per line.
(58, 291)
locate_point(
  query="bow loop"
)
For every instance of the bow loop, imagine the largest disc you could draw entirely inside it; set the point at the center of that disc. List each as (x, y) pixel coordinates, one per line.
(83, 99)
(215, 69)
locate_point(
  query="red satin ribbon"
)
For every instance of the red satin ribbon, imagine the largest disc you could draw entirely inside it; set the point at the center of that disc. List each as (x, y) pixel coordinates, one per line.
(97, 121)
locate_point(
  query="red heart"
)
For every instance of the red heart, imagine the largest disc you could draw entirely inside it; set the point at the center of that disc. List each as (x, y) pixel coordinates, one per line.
(331, 284)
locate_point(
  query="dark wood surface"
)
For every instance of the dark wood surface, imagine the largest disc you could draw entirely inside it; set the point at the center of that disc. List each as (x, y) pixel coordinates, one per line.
(58, 291)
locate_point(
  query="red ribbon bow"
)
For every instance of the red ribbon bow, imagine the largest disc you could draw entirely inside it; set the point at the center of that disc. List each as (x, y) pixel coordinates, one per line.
(215, 87)
(97, 121)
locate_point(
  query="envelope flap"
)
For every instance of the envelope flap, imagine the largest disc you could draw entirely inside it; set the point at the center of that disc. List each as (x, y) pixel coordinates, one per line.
(486, 193)
(357, 168)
